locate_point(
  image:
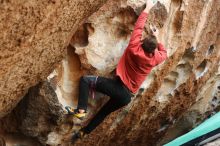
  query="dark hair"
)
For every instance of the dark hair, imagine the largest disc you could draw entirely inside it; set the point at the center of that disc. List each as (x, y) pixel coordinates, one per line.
(149, 44)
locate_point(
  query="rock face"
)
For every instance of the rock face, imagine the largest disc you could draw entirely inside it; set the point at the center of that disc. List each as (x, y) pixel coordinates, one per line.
(36, 115)
(182, 91)
(206, 104)
(34, 35)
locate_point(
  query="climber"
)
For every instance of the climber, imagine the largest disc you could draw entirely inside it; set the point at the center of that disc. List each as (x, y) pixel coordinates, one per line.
(136, 63)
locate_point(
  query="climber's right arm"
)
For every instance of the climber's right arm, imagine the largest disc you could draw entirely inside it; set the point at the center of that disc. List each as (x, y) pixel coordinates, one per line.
(138, 28)
(139, 25)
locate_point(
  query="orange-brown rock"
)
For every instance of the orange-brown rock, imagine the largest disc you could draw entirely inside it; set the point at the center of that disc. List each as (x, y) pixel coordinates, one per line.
(34, 35)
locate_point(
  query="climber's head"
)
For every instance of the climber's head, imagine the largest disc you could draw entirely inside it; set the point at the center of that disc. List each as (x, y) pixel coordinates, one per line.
(149, 44)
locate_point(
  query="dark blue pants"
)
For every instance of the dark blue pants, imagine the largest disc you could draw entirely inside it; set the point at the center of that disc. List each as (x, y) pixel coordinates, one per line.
(114, 88)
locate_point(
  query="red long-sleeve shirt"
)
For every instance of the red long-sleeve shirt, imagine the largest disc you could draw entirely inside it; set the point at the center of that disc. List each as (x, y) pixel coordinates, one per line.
(135, 64)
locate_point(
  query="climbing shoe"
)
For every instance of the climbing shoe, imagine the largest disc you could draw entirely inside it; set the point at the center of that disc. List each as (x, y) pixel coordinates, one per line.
(75, 112)
(78, 135)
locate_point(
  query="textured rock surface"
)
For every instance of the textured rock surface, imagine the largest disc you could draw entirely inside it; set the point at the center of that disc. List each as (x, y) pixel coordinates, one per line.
(36, 115)
(184, 88)
(206, 105)
(33, 38)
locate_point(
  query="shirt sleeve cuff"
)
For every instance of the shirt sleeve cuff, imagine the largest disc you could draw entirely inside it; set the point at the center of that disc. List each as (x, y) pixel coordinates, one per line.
(145, 13)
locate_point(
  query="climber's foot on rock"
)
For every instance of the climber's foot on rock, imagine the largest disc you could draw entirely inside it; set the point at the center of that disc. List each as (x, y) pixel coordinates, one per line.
(75, 112)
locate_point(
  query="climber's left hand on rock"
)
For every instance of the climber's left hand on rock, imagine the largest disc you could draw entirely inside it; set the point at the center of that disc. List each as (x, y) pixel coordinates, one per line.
(149, 5)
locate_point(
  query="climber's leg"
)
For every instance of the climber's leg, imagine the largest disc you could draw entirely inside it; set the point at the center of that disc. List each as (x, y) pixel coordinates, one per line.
(119, 97)
(111, 106)
(84, 87)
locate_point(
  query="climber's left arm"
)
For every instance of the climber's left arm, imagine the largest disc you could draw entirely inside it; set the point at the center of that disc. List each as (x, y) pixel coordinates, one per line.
(161, 53)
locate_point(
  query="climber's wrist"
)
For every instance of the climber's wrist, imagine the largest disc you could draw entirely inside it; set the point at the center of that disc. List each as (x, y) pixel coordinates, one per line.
(149, 5)
(146, 10)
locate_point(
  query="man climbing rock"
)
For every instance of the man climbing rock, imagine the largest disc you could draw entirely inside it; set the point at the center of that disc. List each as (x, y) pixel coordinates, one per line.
(136, 63)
